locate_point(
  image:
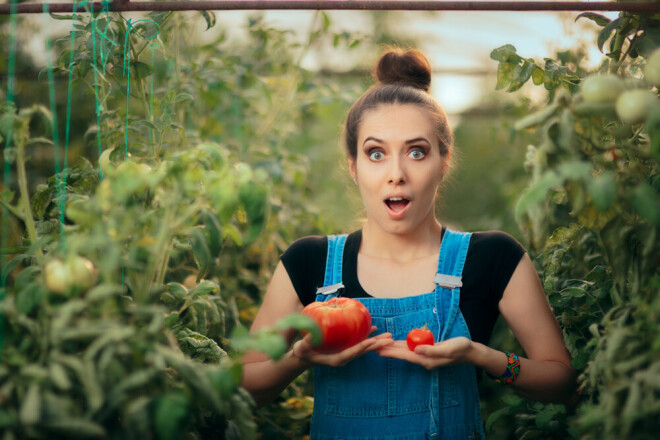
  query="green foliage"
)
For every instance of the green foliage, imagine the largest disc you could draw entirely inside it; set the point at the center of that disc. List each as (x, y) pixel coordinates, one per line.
(190, 204)
(591, 216)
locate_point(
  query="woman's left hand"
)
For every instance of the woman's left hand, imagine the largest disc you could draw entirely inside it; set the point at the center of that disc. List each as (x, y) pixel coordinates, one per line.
(448, 352)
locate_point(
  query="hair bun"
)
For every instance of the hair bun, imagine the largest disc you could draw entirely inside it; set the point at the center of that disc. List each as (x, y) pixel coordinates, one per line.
(410, 67)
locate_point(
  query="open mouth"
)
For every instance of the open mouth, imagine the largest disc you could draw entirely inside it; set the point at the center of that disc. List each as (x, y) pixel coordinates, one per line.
(397, 204)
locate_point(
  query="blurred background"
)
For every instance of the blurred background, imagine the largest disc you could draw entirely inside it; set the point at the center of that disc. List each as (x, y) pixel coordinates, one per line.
(489, 175)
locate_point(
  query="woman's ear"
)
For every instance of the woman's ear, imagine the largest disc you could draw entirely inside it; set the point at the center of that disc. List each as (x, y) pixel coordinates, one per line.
(352, 169)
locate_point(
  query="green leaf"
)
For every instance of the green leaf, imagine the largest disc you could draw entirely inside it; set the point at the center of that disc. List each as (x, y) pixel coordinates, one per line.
(177, 290)
(505, 54)
(213, 231)
(326, 20)
(200, 347)
(201, 253)
(301, 323)
(75, 428)
(574, 170)
(536, 118)
(605, 33)
(645, 201)
(206, 287)
(494, 416)
(13, 263)
(602, 190)
(272, 344)
(653, 129)
(170, 415)
(536, 192)
(226, 379)
(538, 75)
(30, 411)
(599, 19)
(504, 75)
(255, 201)
(209, 16)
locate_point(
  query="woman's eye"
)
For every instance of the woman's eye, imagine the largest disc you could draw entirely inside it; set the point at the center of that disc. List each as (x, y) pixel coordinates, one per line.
(416, 154)
(376, 155)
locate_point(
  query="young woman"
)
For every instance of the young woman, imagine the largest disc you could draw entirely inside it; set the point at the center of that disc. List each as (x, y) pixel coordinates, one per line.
(409, 270)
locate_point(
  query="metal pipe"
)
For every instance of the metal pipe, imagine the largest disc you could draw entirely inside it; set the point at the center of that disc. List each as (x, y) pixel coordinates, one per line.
(409, 5)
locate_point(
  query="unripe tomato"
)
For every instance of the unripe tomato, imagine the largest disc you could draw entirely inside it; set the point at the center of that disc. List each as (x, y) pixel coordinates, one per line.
(344, 322)
(82, 272)
(56, 276)
(633, 106)
(420, 336)
(601, 88)
(73, 275)
(652, 68)
(104, 159)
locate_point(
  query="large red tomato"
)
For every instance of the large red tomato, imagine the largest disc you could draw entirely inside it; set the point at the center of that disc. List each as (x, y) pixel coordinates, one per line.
(343, 322)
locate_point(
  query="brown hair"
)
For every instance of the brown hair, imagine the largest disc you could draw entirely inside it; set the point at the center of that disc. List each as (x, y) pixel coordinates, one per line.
(404, 77)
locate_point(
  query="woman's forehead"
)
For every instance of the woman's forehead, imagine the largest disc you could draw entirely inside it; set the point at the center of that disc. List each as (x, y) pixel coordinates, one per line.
(400, 121)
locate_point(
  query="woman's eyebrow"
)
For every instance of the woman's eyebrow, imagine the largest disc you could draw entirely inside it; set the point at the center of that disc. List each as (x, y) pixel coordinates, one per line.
(371, 138)
(417, 139)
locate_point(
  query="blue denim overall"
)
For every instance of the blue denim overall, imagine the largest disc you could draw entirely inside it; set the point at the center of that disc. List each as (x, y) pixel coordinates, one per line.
(373, 397)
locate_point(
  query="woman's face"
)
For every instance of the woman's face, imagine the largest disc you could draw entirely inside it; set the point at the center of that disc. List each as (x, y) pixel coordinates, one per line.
(398, 167)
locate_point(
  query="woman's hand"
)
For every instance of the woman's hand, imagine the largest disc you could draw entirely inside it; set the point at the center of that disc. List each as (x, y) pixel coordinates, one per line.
(449, 352)
(304, 350)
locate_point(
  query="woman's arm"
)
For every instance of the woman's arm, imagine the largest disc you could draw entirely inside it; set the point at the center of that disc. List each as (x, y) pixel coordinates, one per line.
(545, 375)
(265, 378)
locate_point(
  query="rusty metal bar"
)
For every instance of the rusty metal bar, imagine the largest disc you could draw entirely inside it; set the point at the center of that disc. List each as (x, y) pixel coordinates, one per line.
(409, 5)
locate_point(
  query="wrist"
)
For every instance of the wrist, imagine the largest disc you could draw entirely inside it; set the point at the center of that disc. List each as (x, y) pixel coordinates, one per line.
(299, 363)
(493, 362)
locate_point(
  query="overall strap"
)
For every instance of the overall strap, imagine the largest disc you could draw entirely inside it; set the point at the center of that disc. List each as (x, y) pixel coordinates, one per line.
(448, 279)
(332, 283)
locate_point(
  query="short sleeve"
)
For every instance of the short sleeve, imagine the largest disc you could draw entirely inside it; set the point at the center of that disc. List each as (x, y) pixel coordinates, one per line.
(304, 261)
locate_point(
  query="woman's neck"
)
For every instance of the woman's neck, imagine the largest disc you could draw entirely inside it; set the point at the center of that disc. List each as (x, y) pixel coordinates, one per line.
(404, 247)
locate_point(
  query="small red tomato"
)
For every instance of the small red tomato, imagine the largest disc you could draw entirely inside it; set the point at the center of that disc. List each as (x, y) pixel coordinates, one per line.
(343, 322)
(420, 336)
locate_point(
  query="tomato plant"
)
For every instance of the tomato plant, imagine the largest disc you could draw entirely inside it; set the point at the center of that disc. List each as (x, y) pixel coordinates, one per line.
(180, 223)
(343, 322)
(419, 336)
(591, 215)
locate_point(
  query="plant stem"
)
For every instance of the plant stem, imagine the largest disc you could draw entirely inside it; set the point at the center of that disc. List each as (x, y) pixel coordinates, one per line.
(25, 195)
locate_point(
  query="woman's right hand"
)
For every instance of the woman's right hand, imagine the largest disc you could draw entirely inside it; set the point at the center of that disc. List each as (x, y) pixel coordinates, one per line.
(304, 350)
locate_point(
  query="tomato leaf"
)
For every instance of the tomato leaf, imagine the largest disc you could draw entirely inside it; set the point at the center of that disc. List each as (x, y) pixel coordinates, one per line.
(605, 33)
(505, 54)
(170, 415)
(653, 129)
(201, 252)
(301, 323)
(602, 190)
(645, 201)
(599, 19)
(209, 16)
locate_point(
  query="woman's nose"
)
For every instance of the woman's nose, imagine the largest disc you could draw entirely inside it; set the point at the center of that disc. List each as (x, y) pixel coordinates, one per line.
(397, 174)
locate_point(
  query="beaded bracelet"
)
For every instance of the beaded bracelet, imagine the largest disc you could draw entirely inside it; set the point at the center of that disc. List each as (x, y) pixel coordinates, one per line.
(512, 369)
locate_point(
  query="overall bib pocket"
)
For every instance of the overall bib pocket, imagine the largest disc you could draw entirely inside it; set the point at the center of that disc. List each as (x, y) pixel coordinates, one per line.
(360, 389)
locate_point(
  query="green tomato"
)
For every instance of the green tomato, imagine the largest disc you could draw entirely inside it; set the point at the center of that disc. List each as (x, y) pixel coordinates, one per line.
(56, 276)
(601, 88)
(82, 273)
(652, 68)
(104, 159)
(633, 106)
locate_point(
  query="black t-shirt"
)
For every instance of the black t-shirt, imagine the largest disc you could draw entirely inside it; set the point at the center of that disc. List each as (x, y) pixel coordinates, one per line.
(491, 259)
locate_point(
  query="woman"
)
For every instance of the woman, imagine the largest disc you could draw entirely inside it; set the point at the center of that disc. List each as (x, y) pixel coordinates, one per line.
(410, 270)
